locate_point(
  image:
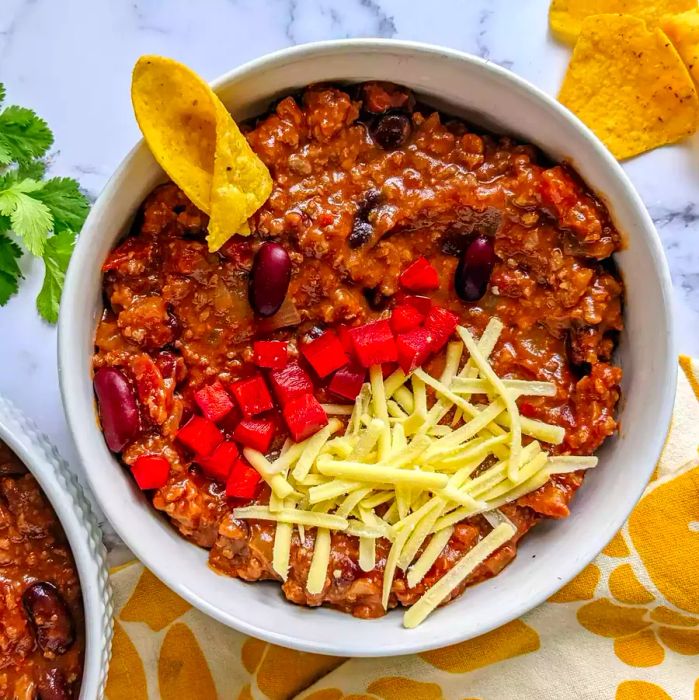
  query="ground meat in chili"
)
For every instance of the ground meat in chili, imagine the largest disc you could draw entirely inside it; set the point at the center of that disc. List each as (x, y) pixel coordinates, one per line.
(357, 196)
(34, 555)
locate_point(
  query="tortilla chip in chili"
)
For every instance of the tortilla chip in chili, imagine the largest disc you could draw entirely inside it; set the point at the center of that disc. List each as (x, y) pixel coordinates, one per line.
(683, 30)
(197, 143)
(566, 16)
(629, 85)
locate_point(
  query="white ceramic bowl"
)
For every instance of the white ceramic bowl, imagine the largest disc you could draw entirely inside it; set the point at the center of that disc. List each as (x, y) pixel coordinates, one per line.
(84, 536)
(555, 551)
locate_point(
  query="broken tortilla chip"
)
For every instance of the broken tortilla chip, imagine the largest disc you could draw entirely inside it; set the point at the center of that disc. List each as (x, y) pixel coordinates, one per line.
(683, 31)
(566, 16)
(195, 140)
(629, 85)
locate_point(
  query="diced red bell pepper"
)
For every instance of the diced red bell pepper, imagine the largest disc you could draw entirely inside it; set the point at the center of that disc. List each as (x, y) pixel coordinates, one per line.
(255, 433)
(200, 435)
(419, 276)
(252, 395)
(150, 471)
(325, 354)
(421, 303)
(214, 401)
(441, 324)
(270, 353)
(304, 416)
(290, 382)
(374, 343)
(347, 381)
(414, 347)
(345, 338)
(406, 318)
(220, 462)
(242, 481)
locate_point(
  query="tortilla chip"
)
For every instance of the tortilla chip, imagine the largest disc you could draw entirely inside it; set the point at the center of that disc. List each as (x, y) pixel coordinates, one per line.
(197, 143)
(566, 16)
(629, 85)
(683, 30)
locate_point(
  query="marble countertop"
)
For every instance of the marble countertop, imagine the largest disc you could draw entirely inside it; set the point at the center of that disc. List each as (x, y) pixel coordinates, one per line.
(71, 61)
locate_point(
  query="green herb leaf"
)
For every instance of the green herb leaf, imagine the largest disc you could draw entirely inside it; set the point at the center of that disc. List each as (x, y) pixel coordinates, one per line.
(31, 219)
(32, 208)
(34, 170)
(65, 201)
(23, 135)
(56, 258)
(10, 274)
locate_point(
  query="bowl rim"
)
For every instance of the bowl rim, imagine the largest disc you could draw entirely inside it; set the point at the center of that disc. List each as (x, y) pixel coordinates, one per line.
(63, 491)
(663, 403)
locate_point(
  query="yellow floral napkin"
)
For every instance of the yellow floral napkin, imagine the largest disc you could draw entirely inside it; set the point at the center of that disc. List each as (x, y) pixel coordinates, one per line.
(627, 627)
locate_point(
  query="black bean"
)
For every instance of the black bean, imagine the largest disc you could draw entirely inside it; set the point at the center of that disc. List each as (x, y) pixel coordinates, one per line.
(474, 269)
(362, 228)
(54, 686)
(377, 300)
(117, 406)
(361, 233)
(49, 617)
(269, 279)
(391, 131)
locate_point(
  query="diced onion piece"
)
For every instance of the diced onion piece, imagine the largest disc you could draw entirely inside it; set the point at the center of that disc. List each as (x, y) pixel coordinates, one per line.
(442, 588)
(319, 564)
(429, 556)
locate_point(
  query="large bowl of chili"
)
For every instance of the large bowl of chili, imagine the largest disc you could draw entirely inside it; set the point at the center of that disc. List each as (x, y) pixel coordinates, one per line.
(495, 99)
(57, 569)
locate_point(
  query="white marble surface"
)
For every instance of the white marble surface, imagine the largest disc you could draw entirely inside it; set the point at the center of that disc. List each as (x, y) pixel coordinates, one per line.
(71, 61)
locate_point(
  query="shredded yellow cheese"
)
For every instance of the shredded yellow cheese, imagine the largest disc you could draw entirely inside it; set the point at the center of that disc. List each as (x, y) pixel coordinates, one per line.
(437, 593)
(409, 466)
(319, 564)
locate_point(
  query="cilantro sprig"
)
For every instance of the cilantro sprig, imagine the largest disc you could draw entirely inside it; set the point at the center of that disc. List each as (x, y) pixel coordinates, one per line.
(37, 215)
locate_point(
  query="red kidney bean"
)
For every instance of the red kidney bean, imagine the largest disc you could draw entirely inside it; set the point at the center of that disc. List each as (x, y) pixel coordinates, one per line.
(118, 408)
(391, 131)
(54, 686)
(269, 279)
(49, 617)
(474, 269)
